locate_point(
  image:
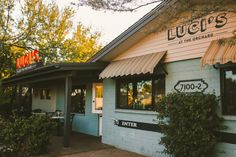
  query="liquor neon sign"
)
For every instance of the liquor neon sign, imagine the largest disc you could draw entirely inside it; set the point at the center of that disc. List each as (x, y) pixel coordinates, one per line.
(29, 58)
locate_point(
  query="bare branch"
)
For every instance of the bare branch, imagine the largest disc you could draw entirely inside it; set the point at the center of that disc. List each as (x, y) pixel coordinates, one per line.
(115, 5)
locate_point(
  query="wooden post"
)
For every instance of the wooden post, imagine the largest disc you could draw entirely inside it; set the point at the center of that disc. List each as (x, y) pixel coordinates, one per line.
(19, 98)
(67, 110)
(30, 99)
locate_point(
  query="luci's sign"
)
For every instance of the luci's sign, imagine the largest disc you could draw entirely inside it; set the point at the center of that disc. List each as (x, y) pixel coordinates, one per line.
(196, 26)
(27, 59)
(198, 85)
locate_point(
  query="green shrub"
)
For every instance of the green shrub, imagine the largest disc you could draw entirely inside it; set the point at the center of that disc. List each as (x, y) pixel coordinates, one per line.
(189, 122)
(24, 137)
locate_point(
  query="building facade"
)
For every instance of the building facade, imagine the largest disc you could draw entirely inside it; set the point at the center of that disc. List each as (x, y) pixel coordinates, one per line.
(157, 55)
(193, 60)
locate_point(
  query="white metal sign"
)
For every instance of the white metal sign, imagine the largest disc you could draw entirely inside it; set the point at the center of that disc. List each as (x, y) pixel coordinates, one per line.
(197, 85)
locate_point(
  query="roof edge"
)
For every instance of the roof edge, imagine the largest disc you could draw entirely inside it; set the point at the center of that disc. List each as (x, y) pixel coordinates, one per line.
(130, 31)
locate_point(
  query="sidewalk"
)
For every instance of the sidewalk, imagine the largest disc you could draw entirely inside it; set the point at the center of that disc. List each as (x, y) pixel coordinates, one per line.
(82, 145)
(107, 152)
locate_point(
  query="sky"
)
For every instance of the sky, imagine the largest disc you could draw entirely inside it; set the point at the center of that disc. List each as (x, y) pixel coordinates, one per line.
(110, 24)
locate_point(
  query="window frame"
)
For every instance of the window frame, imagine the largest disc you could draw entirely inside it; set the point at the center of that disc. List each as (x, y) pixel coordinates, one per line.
(222, 90)
(137, 78)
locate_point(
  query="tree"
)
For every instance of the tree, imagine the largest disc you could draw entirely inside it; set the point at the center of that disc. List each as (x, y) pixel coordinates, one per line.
(6, 22)
(115, 5)
(44, 27)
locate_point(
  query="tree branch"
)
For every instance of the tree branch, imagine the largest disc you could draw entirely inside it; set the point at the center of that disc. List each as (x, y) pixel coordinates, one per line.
(118, 6)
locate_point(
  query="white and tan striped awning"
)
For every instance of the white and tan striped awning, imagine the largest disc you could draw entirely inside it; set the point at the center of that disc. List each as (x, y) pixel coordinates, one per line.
(136, 65)
(219, 53)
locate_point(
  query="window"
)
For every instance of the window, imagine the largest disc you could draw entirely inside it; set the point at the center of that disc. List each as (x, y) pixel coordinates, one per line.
(140, 93)
(42, 94)
(45, 94)
(97, 98)
(78, 99)
(229, 91)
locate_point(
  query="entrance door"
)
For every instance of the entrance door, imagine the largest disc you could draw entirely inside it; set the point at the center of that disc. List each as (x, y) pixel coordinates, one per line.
(97, 103)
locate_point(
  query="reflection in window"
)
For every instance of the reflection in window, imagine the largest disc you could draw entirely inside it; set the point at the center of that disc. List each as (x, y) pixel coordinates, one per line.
(144, 93)
(229, 89)
(78, 99)
(140, 94)
(98, 96)
(159, 90)
(42, 94)
(48, 94)
(123, 96)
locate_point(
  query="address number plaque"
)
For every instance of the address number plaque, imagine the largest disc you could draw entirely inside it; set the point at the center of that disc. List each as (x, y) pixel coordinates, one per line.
(188, 86)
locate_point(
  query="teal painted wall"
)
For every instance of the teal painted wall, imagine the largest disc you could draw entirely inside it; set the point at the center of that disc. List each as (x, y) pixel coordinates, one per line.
(60, 98)
(139, 141)
(85, 123)
(147, 142)
(46, 105)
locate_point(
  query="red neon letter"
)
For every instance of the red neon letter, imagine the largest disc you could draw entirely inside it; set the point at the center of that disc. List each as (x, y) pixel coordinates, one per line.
(17, 63)
(26, 60)
(36, 55)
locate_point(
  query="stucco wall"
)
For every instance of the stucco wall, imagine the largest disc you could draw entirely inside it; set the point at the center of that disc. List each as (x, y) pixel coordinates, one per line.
(147, 142)
(46, 105)
(85, 123)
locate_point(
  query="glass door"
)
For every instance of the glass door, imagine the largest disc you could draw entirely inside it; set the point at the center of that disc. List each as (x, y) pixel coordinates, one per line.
(97, 100)
(97, 103)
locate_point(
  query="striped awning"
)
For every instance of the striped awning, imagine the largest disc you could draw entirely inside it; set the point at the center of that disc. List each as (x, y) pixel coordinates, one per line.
(131, 66)
(219, 53)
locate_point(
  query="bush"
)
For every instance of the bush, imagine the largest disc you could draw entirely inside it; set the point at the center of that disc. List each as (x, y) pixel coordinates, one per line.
(5, 109)
(189, 122)
(24, 137)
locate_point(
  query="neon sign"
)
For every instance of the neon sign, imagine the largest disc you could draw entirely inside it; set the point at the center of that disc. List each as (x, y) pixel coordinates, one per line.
(29, 58)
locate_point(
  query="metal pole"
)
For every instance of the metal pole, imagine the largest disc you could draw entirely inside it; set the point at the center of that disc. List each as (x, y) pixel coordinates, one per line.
(67, 110)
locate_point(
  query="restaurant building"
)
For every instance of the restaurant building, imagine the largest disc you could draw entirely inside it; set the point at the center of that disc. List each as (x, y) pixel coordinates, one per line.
(114, 94)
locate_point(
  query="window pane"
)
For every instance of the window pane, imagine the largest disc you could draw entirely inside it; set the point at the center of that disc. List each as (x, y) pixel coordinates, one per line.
(159, 90)
(48, 94)
(98, 96)
(78, 99)
(123, 97)
(131, 97)
(144, 95)
(42, 94)
(229, 101)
